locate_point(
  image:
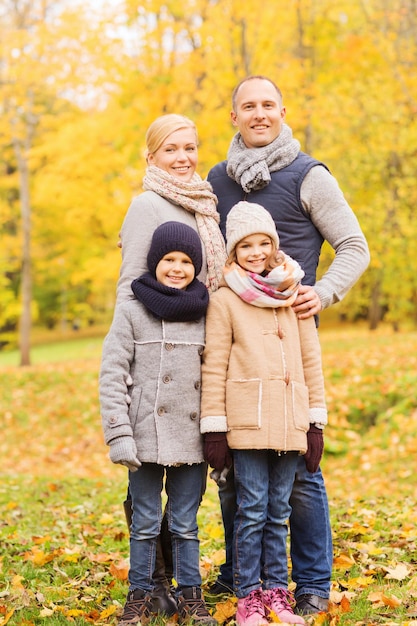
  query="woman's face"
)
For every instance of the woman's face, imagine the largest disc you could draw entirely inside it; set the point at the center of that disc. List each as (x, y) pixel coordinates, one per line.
(178, 154)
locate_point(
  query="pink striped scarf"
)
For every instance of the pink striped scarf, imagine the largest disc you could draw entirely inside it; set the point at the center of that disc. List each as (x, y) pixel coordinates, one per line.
(279, 288)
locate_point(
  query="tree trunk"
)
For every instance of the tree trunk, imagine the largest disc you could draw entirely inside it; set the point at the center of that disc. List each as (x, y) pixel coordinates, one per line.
(375, 311)
(26, 283)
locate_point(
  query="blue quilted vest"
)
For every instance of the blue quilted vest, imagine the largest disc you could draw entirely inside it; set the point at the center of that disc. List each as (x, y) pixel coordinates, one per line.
(281, 197)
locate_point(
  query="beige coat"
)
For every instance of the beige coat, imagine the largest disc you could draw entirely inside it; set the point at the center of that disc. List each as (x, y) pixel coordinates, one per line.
(262, 377)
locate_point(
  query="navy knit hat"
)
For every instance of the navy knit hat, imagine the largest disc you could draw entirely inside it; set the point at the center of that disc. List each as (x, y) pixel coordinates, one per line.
(172, 236)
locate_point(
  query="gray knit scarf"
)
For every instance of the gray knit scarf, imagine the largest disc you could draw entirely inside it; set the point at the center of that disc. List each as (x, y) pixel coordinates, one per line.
(251, 167)
(198, 198)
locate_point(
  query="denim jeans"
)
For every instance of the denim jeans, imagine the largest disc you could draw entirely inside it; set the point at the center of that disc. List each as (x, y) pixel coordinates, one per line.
(311, 534)
(264, 481)
(311, 537)
(184, 486)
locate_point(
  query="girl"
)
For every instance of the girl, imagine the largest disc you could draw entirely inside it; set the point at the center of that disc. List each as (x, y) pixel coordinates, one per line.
(262, 385)
(150, 405)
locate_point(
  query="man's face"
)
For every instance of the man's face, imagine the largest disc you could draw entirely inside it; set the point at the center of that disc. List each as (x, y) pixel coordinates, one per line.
(259, 113)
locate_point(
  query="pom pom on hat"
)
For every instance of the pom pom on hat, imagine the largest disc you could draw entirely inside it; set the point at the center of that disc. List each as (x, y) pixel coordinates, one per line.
(172, 236)
(248, 218)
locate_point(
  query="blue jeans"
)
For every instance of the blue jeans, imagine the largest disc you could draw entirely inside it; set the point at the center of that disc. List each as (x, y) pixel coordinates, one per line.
(311, 536)
(264, 481)
(184, 486)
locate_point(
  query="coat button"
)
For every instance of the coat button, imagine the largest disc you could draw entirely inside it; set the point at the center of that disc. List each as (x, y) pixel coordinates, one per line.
(193, 415)
(200, 351)
(161, 410)
(166, 378)
(197, 384)
(113, 419)
(169, 346)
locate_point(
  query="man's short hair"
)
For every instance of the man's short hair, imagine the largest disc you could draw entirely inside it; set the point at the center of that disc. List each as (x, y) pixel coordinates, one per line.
(253, 77)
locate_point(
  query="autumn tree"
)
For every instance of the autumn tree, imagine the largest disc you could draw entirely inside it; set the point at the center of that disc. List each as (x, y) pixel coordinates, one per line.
(90, 82)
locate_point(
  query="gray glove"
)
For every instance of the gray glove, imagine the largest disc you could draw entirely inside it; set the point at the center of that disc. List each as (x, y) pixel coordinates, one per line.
(123, 451)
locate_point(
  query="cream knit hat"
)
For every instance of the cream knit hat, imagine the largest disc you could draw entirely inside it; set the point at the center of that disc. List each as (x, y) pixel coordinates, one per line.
(248, 218)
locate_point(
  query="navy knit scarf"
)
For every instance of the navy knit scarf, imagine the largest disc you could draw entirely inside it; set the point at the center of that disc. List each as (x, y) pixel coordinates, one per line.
(168, 303)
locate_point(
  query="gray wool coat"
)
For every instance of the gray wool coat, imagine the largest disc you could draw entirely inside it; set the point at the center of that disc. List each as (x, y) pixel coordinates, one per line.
(150, 385)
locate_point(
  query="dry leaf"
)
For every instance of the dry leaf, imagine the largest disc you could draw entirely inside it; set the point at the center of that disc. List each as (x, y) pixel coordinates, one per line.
(225, 610)
(343, 561)
(400, 572)
(120, 569)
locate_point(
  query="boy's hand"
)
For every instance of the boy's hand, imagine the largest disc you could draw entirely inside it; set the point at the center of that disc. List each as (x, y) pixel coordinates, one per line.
(123, 451)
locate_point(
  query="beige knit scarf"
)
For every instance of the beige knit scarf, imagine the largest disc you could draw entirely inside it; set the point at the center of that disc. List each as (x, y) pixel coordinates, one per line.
(251, 167)
(198, 198)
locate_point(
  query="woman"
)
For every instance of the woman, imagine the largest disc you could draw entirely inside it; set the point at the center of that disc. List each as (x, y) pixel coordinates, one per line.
(173, 192)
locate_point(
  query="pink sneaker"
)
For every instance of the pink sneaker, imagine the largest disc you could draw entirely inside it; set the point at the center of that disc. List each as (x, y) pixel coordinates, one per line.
(278, 601)
(251, 610)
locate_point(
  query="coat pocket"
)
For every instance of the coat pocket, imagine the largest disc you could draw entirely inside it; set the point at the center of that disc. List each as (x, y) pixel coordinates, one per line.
(243, 403)
(299, 405)
(136, 394)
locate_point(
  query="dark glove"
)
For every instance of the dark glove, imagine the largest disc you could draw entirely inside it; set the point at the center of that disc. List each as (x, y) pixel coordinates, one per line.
(315, 445)
(216, 451)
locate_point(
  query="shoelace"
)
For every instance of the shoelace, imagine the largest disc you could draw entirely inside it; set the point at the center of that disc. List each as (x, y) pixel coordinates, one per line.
(281, 597)
(196, 606)
(136, 607)
(254, 603)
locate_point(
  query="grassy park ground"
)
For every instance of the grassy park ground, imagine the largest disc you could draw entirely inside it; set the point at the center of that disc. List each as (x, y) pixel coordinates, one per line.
(63, 537)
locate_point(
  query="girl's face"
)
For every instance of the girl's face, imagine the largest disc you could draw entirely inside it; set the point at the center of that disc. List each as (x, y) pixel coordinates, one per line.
(178, 154)
(175, 269)
(254, 252)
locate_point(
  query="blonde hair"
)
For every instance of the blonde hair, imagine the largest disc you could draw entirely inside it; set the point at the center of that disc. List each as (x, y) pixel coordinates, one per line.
(162, 127)
(276, 258)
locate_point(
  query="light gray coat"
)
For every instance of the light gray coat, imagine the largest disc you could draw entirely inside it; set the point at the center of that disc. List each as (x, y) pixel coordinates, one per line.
(157, 365)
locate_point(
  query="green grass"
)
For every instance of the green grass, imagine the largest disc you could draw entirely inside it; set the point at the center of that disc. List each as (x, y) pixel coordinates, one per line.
(80, 349)
(63, 536)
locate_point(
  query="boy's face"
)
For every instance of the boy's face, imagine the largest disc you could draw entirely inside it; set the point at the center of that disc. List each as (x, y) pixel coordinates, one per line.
(254, 252)
(175, 269)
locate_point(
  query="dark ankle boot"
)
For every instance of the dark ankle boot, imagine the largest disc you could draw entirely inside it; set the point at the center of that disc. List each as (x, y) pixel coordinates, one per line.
(127, 505)
(162, 600)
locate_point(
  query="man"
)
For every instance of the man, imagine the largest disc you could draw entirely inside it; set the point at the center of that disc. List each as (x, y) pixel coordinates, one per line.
(265, 166)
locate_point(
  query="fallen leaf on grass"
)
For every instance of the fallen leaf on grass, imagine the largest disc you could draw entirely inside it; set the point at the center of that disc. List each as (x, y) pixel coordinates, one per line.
(225, 610)
(379, 598)
(360, 581)
(120, 569)
(343, 561)
(39, 540)
(39, 557)
(4, 620)
(106, 519)
(17, 582)
(218, 556)
(103, 557)
(400, 572)
(109, 611)
(46, 612)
